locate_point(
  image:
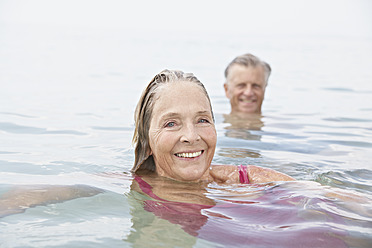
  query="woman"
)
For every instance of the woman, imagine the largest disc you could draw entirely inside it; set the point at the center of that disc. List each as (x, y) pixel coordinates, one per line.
(175, 136)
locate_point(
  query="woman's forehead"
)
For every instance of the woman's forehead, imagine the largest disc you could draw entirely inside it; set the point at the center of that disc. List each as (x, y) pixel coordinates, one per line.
(183, 89)
(181, 95)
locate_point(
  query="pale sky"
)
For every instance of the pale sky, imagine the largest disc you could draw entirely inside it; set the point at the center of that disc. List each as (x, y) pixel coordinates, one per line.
(335, 17)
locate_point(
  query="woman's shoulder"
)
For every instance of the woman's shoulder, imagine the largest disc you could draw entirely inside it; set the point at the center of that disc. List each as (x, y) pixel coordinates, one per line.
(256, 174)
(224, 173)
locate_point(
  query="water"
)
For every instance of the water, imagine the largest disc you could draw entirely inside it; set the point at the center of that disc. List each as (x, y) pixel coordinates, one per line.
(66, 118)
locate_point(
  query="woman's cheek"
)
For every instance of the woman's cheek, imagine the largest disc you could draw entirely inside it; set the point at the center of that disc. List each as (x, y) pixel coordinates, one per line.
(212, 134)
(166, 140)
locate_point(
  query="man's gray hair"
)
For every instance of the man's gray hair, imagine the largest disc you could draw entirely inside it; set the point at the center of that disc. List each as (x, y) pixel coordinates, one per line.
(248, 60)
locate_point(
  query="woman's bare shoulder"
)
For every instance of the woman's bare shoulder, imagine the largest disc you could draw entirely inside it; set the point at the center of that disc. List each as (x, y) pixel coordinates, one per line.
(258, 174)
(224, 173)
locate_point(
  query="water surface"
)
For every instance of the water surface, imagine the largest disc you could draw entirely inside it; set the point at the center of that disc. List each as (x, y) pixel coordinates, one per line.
(66, 118)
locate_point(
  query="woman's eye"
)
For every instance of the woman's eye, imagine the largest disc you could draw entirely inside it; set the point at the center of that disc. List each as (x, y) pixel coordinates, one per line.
(203, 121)
(170, 124)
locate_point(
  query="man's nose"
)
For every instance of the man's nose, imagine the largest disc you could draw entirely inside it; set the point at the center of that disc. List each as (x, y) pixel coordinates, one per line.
(248, 90)
(189, 134)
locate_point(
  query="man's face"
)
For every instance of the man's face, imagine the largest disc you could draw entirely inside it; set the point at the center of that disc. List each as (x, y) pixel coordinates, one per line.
(245, 87)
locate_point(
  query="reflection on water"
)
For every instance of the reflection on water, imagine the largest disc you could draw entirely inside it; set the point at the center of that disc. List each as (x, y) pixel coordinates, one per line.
(238, 127)
(246, 127)
(238, 153)
(265, 215)
(149, 230)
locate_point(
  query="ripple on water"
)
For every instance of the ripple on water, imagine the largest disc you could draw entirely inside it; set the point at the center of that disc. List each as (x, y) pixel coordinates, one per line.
(128, 129)
(339, 89)
(19, 115)
(348, 143)
(19, 129)
(50, 168)
(359, 179)
(346, 119)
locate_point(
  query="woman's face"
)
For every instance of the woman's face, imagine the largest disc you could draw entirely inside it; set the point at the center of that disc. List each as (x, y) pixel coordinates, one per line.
(182, 133)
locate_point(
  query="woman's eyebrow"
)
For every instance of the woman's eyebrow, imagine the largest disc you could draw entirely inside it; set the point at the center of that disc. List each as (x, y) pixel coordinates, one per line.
(175, 115)
(169, 115)
(206, 113)
(203, 112)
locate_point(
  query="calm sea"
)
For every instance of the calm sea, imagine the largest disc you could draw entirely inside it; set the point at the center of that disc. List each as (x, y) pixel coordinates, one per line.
(67, 98)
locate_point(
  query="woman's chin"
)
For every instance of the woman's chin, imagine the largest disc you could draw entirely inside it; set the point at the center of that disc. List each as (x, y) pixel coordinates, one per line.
(194, 176)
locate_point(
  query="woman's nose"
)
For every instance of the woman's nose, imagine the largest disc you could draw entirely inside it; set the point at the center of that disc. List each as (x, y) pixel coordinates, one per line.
(189, 134)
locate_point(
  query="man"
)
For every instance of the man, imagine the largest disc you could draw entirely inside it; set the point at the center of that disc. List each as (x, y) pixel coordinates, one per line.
(246, 81)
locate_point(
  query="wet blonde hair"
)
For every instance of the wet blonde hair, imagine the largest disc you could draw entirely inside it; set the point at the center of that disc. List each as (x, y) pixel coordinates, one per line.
(143, 160)
(248, 60)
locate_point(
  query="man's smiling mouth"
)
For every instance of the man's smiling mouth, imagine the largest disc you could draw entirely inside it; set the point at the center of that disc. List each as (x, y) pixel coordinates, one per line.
(189, 154)
(247, 100)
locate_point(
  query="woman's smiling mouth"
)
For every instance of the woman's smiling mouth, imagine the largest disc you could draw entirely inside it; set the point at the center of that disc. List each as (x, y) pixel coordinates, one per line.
(189, 154)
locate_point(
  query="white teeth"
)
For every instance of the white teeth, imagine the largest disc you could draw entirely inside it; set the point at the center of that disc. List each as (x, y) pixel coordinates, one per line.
(189, 154)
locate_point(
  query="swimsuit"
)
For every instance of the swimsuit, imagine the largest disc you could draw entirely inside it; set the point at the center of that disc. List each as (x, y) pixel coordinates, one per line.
(243, 175)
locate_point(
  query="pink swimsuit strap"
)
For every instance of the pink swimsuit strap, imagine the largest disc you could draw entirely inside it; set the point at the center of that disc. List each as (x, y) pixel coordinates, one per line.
(243, 175)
